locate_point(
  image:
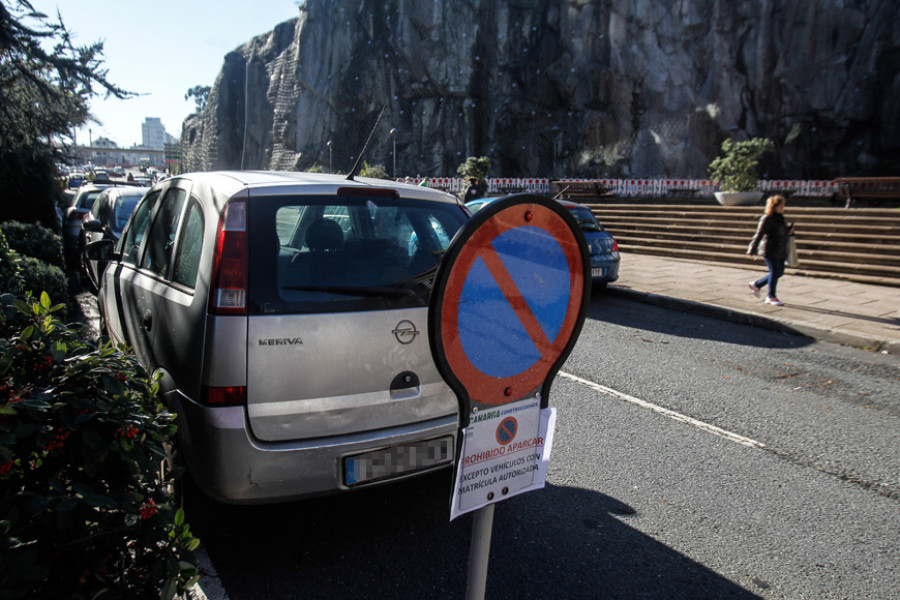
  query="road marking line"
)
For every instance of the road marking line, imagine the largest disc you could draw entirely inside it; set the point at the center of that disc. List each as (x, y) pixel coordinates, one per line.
(744, 441)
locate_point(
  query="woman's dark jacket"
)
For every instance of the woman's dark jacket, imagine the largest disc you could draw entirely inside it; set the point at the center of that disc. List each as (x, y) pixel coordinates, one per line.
(771, 237)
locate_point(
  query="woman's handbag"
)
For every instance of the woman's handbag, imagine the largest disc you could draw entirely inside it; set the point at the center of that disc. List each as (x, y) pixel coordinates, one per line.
(792, 260)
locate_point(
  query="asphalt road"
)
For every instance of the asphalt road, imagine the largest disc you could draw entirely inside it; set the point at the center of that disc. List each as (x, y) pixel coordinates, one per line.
(693, 459)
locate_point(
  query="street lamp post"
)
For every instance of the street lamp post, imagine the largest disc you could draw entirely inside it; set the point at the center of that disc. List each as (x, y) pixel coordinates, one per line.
(394, 138)
(330, 162)
(90, 148)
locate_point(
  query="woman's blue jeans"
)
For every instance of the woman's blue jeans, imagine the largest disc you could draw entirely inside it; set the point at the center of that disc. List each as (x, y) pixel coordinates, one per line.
(776, 270)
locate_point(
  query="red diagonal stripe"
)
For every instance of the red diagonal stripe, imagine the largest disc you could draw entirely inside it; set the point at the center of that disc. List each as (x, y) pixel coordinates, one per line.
(498, 270)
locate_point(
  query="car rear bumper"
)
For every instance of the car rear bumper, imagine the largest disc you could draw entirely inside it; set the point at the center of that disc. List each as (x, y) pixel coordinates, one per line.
(235, 468)
(609, 269)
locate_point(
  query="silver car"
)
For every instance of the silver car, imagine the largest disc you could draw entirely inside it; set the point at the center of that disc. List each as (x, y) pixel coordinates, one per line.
(285, 314)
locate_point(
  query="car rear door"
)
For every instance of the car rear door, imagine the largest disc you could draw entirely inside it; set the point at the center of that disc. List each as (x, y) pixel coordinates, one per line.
(337, 332)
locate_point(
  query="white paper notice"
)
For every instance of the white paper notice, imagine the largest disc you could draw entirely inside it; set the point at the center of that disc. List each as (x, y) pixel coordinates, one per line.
(505, 452)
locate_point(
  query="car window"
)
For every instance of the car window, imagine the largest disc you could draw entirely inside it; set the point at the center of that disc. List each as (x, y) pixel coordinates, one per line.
(187, 261)
(130, 242)
(86, 199)
(124, 206)
(316, 254)
(161, 237)
(100, 208)
(585, 218)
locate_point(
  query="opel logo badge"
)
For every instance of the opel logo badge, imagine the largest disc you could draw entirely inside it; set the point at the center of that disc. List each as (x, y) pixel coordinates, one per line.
(405, 332)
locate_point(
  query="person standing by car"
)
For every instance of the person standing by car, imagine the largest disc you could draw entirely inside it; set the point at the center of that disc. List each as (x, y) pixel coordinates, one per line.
(473, 191)
(771, 242)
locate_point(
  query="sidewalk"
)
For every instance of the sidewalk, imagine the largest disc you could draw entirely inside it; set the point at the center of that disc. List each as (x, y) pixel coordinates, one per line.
(832, 310)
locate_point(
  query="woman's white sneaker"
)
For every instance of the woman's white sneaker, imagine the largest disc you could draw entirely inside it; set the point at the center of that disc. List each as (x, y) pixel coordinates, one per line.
(753, 289)
(774, 302)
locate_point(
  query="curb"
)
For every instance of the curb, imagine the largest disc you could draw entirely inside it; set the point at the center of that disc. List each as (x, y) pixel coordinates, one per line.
(748, 318)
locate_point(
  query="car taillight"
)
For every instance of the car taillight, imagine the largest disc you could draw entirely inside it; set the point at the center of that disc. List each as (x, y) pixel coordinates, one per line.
(615, 246)
(228, 288)
(223, 396)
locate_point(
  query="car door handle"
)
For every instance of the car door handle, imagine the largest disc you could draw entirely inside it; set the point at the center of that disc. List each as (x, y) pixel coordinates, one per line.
(148, 320)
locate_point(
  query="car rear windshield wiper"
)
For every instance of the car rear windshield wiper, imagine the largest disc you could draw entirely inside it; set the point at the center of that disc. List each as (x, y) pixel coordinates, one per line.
(351, 290)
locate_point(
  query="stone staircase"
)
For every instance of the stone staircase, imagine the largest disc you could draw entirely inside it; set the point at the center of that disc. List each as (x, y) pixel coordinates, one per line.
(857, 244)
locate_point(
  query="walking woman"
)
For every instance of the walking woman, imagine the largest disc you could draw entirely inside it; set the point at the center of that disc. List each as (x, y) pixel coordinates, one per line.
(771, 240)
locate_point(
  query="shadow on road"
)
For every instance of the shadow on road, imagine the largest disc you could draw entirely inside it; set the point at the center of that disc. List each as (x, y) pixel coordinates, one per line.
(396, 542)
(662, 319)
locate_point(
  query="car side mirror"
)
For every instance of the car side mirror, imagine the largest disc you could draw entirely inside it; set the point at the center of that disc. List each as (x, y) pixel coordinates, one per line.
(93, 225)
(101, 250)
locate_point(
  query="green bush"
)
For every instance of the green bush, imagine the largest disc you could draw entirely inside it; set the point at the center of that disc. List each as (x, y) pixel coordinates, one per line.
(86, 509)
(10, 268)
(39, 277)
(477, 167)
(735, 169)
(31, 239)
(375, 171)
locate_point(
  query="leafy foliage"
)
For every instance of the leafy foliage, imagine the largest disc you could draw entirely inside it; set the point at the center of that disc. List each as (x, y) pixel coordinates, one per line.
(34, 240)
(478, 167)
(10, 268)
(376, 171)
(46, 82)
(86, 509)
(200, 94)
(38, 276)
(735, 170)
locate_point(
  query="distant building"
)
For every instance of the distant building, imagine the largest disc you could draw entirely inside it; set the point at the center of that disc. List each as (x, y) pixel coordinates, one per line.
(103, 152)
(153, 134)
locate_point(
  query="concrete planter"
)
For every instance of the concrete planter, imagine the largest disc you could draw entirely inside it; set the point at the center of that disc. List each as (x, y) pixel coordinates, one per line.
(738, 198)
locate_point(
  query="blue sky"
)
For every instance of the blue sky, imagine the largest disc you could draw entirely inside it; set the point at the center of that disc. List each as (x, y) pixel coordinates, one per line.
(160, 49)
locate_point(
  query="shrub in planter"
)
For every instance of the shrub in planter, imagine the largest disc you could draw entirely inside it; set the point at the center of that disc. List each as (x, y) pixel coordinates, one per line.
(85, 504)
(735, 169)
(32, 239)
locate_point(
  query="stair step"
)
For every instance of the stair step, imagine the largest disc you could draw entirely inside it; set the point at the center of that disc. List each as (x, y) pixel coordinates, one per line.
(729, 229)
(849, 245)
(812, 266)
(859, 244)
(741, 249)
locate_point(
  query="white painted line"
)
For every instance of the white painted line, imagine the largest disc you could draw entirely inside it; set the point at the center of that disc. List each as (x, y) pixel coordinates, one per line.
(744, 441)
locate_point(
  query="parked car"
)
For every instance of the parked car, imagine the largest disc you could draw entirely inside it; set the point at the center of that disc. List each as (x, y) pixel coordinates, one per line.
(602, 245)
(73, 239)
(286, 317)
(106, 220)
(75, 180)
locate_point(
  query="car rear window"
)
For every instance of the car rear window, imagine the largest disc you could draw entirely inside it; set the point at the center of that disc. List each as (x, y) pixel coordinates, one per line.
(586, 219)
(328, 254)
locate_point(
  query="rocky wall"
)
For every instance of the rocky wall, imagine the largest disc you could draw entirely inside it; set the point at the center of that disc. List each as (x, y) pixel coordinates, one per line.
(554, 88)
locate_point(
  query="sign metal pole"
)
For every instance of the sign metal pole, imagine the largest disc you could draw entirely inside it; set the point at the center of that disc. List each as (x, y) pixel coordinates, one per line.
(519, 272)
(479, 552)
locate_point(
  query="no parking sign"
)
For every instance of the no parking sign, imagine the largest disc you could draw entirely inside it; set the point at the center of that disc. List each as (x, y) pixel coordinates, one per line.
(508, 303)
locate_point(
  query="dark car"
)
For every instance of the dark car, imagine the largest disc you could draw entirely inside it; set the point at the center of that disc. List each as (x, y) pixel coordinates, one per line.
(107, 219)
(604, 249)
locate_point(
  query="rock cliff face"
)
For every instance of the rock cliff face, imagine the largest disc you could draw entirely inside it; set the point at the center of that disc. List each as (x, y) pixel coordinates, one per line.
(551, 88)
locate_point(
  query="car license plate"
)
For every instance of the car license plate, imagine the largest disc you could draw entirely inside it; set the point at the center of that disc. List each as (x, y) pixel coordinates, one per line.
(397, 460)
(598, 272)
